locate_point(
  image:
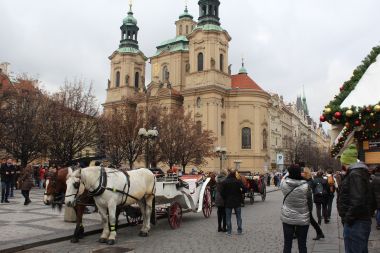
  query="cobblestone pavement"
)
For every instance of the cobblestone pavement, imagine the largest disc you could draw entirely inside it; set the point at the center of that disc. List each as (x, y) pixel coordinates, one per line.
(262, 233)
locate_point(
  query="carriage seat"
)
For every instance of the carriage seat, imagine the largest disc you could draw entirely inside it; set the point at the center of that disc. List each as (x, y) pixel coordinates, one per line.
(192, 181)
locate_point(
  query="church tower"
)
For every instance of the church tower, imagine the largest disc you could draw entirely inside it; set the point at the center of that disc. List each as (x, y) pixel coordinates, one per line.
(208, 49)
(127, 76)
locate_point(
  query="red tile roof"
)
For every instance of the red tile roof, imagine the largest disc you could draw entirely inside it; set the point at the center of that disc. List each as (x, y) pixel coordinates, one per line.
(243, 81)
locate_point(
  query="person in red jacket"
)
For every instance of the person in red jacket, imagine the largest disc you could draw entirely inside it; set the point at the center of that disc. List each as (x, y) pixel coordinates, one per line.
(42, 177)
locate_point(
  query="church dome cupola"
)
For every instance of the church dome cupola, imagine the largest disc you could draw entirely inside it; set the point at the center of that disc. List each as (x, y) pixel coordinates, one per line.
(129, 31)
(208, 12)
(186, 14)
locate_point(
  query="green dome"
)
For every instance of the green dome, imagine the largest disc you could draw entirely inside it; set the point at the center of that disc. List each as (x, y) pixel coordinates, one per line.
(130, 20)
(186, 14)
(243, 70)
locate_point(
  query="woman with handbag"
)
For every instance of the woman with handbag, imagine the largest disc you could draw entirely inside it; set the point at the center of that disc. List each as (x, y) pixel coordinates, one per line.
(295, 212)
(26, 181)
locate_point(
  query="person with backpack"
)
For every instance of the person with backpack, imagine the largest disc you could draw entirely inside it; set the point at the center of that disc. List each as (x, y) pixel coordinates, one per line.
(375, 186)
(321, 195)
(331, 193)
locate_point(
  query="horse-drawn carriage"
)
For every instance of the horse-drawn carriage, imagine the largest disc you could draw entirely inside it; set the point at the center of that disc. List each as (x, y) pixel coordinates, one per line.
(176, 195)
(255, 185)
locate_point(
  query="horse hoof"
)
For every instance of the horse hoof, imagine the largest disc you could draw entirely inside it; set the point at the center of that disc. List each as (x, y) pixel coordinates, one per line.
(111, 242)
(74, 240)
(143, 234)
(102, 240)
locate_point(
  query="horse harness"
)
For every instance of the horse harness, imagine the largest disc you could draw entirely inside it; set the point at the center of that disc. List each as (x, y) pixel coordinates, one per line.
(102, 187)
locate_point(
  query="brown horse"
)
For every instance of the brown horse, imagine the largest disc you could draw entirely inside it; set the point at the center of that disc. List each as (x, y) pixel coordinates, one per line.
(55, 189)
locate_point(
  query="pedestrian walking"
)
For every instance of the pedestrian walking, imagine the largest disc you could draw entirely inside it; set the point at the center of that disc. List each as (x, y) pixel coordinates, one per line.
(376, 192)
(26, 182)
(295, 211)
(268, 179)
(232, 192)
(332, 186)
(42, 177)
(219, 202)
(13, 180)
(6, 179)
(320, 196)
(355, 202)
(306, 174)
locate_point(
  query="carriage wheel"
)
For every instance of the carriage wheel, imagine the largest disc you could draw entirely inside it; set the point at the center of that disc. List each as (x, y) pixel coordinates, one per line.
(251, 197)
(175, 215)
(264, 194)
(207, 204)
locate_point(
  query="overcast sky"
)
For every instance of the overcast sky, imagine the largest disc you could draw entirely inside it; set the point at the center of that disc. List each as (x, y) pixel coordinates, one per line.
(286, 44)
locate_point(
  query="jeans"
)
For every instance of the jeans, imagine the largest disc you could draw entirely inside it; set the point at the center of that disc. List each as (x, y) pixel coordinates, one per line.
(26, 195)
(356, 236)
(301, 233)
(329, 205)
(322, 206)
(238, 219)
(315, 225)
(378, 217)
(5, 188)
(221, 218)
(42, 181)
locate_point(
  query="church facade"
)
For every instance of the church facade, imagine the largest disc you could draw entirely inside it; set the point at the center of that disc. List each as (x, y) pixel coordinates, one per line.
(192, 71)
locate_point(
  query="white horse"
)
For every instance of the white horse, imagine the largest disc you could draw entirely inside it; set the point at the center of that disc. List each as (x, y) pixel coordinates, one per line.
(113, 189)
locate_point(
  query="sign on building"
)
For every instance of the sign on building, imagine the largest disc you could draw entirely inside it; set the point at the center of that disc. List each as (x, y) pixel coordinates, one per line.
(280, 159)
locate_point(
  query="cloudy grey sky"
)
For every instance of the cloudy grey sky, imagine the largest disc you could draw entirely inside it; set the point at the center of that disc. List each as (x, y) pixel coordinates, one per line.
(286, 43)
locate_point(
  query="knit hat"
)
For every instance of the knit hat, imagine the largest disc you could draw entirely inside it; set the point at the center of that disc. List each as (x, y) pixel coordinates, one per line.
(350, 155)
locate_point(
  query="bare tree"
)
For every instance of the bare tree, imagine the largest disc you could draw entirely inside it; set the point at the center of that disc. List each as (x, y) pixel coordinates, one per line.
(22, 121)
(73, 122)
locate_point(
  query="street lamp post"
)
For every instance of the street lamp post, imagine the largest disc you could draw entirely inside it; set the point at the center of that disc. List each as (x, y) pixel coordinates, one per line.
(221, 153)
(148, 135)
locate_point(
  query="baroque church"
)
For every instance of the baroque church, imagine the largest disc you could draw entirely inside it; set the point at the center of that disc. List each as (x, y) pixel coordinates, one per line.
(192, 71)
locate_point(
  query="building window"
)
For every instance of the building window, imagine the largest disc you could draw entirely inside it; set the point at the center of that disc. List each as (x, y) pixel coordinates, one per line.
(265, 139)
(87, 153)
(198, 102)
(221, 62)
(180, 30)
(200, 62)
(246, 138)
(199, 127)
(165, 74)
(222, 128)
(117, 79)
(222, 102)
(126, 80)
(187, 30)
(137, 77)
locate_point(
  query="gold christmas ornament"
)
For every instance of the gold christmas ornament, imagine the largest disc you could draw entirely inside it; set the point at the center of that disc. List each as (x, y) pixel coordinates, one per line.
(377, 108)
(327, 110)
(349, 113)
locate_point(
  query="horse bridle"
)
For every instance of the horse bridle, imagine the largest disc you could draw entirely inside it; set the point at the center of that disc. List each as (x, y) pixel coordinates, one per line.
(76, 186)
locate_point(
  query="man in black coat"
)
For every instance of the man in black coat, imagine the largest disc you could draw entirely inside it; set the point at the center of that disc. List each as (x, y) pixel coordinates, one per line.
(320, 196)
(6, 179)
(355, 202)
(232, 191)
(376, 192)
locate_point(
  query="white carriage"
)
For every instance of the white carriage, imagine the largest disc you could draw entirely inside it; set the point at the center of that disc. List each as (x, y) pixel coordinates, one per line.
(176, 195)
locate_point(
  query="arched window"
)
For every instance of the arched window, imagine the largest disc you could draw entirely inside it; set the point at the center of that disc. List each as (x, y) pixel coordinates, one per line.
(200, 62)
(137, 77)
(222, 128)
(265, 139)
(198, 102)
(246, 138)
(222, 102)
(221, 62)
(117, 78)
(165, 74)
(187, 30)
(180, 30)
